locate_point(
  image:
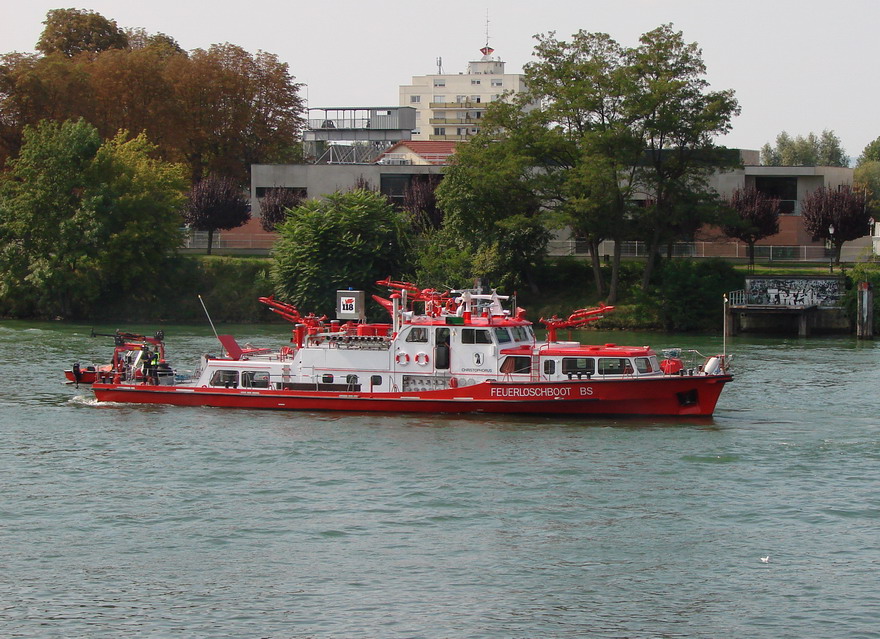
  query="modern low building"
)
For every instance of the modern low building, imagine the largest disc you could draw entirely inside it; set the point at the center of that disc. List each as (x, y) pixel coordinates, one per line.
(450, 106)
(393, 171)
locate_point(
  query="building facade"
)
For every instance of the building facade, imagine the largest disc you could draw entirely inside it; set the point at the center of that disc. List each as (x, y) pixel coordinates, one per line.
(450, 106)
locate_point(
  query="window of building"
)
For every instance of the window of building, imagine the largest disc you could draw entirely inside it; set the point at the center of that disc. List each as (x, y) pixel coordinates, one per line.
(785, 188)
(300, 192)
(394, 186)
(415, 99)
(440, 99)
(475, 82)
(439, 130)
(439, 82)
(497, 83)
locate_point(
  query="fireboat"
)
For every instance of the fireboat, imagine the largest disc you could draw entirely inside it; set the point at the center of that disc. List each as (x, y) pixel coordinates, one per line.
(441, 352)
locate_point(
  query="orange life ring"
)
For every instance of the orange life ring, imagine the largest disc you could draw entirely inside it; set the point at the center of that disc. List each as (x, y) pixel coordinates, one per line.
(422, 359)
(402, 359)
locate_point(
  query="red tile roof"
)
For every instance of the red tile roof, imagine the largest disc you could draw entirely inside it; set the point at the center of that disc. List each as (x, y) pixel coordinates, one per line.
(433, 151)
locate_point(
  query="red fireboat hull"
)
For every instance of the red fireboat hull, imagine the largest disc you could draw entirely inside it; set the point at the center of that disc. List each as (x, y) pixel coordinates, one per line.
(691, 396)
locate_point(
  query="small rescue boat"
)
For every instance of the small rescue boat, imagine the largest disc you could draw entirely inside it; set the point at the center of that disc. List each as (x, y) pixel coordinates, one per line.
(442, 352)
(129, 355)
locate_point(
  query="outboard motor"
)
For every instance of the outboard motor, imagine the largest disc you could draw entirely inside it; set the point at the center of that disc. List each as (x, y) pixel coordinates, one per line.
(77, 373)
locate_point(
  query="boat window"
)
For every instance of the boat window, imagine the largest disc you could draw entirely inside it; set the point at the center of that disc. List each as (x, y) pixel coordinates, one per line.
(578, 365)
(549, 366)
(417, 334)
(521, 334)
(502, 335)
(516, 365)
(225, 378)
(614, 366)
(254, 379)
(475, 336)
(643, 364)
(326, 378)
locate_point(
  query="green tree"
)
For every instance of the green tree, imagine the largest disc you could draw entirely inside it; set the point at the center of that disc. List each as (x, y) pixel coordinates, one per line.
(871, 153)
(757, 218)
(348, 239)
(599, 127)
(678, 118)
(812, 150)
(489, 191)
(216, 203)
(836, 214)
(74, 31)
(867, 178)
(84, 221)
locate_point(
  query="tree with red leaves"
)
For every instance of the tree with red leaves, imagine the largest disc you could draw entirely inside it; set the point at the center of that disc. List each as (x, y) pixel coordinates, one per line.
(757, 218)
(836, 214)
(275, 204)
(216, 203)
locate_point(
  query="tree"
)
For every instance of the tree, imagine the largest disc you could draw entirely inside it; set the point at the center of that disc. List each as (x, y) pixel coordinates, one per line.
(74, 31)
(758, 217)
(599, 127)
(420, 201)
(837, 215)
(233, 109)
(867, 178)
(83, 221)
(275, 205)
(812, 150)
(678, 119)
(216, 203)
(348, 239)
(487, 191)
(217, 110)
(871, 153)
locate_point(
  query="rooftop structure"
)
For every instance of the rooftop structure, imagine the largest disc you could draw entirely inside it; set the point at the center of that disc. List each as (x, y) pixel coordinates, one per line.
(451, 106)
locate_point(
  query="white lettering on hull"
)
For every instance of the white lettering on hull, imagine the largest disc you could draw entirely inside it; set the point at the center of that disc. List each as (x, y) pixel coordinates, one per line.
(539, 391)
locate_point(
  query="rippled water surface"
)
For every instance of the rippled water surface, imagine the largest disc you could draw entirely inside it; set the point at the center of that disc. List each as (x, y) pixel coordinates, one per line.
(185, 522)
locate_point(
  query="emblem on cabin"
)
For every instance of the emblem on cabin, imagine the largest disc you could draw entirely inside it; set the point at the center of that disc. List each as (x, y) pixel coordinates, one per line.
(478, 359)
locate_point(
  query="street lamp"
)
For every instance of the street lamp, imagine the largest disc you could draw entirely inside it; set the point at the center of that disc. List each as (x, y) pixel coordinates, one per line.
(831, 240)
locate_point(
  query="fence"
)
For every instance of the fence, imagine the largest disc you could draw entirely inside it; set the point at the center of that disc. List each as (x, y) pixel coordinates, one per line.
(727, 250)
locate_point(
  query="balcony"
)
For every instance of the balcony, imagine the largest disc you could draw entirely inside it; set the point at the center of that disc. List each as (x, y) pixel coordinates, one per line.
(456, 121)
(467, 104)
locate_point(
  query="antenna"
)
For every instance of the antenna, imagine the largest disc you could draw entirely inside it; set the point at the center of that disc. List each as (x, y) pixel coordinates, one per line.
(439, 66)
(209, 319)
(487, 50)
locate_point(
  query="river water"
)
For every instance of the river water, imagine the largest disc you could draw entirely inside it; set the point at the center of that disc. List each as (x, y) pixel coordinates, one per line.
(187, 522)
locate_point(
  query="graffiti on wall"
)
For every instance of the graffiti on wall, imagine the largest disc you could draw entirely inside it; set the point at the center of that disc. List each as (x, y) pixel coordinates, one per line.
(794, 291)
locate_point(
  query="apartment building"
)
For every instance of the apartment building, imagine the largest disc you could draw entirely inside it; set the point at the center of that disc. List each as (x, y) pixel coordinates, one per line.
(450, 106)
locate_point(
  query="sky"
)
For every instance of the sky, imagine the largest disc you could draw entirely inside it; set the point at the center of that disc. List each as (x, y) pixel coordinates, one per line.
(799, 66)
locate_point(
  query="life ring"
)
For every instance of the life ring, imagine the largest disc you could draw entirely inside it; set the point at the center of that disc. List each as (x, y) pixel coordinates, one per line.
(453, 382)
(402, 359)
(422, 359)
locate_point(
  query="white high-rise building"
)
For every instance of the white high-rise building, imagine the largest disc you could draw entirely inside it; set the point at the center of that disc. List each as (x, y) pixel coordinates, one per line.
(450, 106)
